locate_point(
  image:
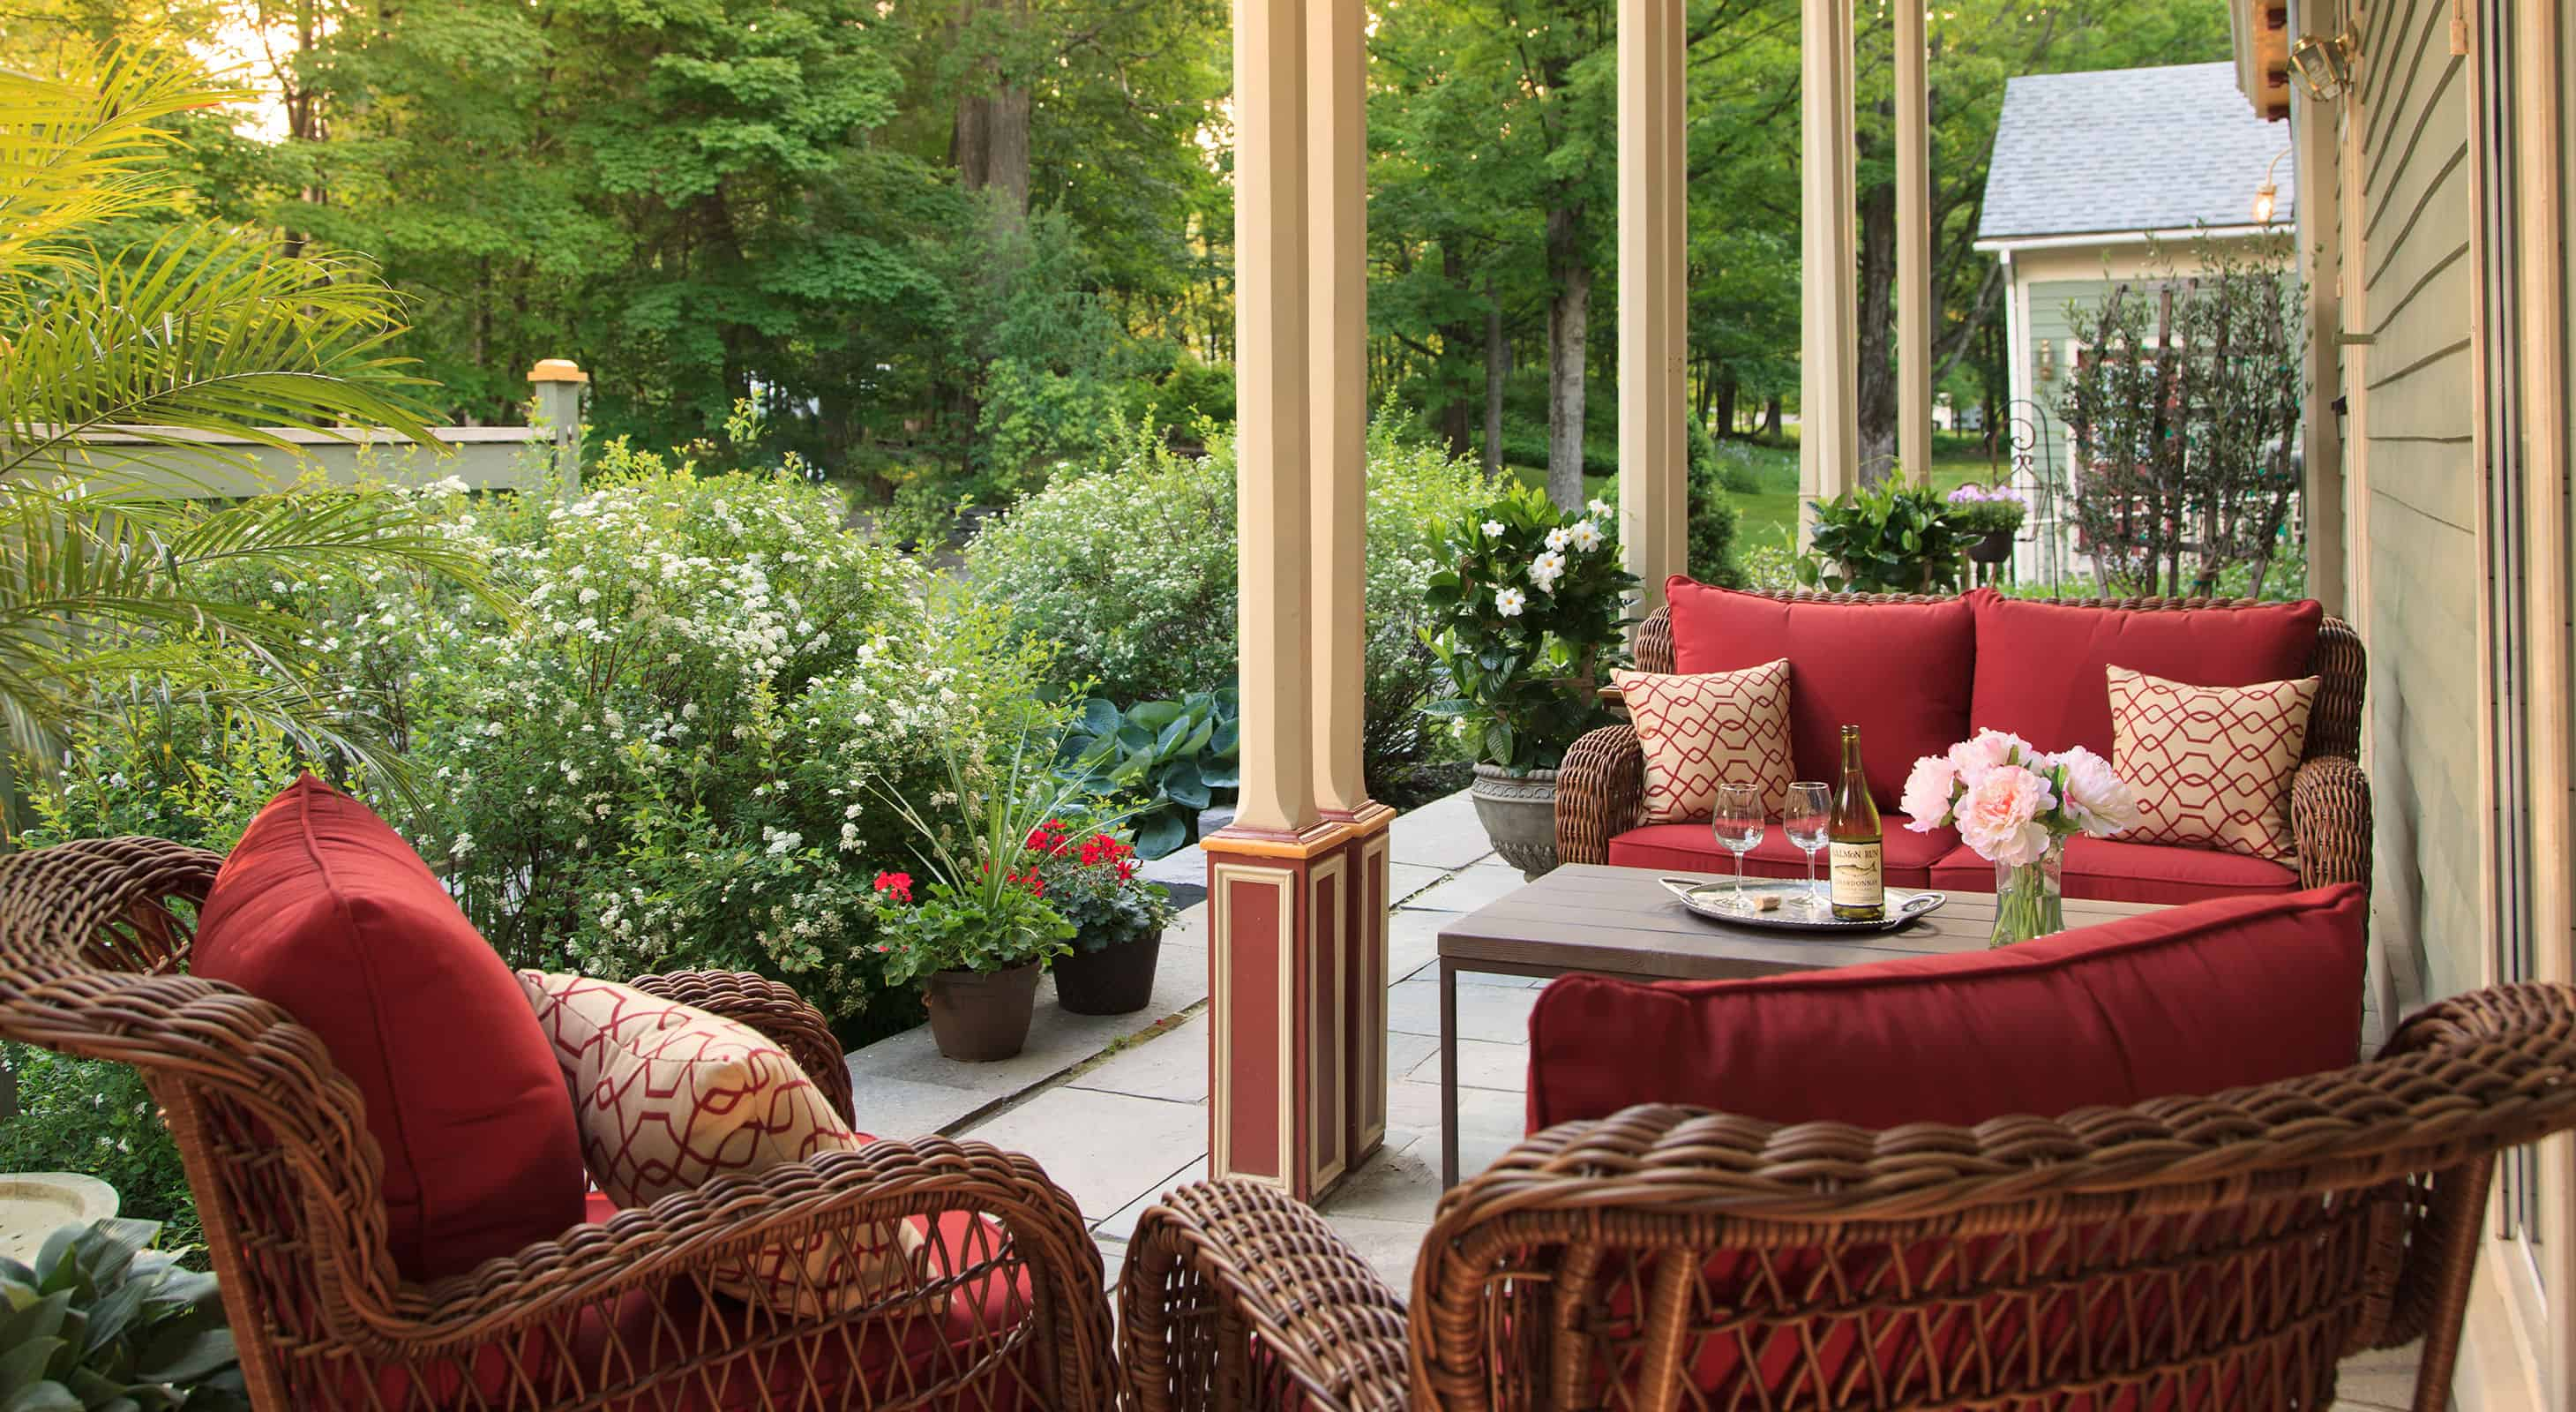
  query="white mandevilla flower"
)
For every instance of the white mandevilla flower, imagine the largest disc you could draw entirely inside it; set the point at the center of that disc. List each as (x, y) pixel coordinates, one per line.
(1598, 507)
(1546, 569)
(1558, 537)
(1510, 601)
(1585, 535)
(1493, 529)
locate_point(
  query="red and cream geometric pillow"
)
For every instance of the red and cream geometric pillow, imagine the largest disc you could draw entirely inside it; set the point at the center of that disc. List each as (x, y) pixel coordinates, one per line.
(1699, 732)
(668, 1097)
(2211, 765)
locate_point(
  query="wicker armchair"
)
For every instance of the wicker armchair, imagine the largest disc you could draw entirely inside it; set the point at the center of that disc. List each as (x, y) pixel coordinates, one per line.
(1008, 1313)
(1600, 790)
(2199, 1252)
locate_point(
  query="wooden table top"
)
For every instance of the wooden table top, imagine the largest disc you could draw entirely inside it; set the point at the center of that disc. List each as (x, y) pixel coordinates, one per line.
(1619, 921)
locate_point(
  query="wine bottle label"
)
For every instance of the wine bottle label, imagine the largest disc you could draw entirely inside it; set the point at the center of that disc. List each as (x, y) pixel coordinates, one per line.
(1858, 878)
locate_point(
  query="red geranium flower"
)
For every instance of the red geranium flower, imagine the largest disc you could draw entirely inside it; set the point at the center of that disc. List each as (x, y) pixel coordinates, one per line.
(897, 886)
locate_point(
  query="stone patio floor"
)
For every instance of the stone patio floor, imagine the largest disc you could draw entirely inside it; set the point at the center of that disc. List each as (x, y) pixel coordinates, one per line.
(1115, 1108)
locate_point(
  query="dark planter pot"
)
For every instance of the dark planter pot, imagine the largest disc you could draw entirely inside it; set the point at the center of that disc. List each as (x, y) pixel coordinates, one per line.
(1115, 980)
(978, 1018)
(1993, 548)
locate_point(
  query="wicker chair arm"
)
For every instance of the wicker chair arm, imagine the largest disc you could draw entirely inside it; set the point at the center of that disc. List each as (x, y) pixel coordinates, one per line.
(1236, 1297)
(2330, 820)
(731, 1217)
(774, 1009)
(1600, 793)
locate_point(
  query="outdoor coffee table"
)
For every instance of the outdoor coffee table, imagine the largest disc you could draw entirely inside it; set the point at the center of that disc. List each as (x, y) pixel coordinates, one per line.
(1620, 922)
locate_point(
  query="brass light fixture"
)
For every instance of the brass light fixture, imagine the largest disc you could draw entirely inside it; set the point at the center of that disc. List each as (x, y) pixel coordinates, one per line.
(2324, 66)
(2267, 197)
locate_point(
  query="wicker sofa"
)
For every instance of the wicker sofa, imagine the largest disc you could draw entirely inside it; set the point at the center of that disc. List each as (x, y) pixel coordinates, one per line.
(1600, 789)
(2194, 1254)
(626, 1311)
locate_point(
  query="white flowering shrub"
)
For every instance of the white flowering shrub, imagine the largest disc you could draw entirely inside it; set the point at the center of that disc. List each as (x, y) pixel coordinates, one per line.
(664, 760)
(1130, 571)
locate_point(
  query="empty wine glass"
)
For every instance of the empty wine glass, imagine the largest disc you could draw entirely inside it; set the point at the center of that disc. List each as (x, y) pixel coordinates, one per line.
(1811, 805)
(1737, 822)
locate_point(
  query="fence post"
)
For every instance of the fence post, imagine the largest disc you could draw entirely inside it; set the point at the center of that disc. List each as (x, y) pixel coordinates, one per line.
(559, 383)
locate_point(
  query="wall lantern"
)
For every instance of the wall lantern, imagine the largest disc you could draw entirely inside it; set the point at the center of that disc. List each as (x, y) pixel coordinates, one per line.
(2047, 361)
(2267, 197)
(2324, 66)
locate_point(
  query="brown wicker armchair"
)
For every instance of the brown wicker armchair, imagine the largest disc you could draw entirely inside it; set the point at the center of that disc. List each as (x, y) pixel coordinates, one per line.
(1008, 1312)
(1600, 790)
(2199, 1252)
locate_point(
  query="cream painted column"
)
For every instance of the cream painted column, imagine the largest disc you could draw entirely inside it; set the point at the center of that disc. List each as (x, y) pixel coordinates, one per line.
(1654, 458)
(2318, 194)
(1297, 884)
(1914, 311)
(1828, 428)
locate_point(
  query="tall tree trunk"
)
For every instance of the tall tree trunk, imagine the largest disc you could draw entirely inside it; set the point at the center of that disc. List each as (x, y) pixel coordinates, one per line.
(989, 145)
(1498, 363)
(1726, 390)
(1772, 429)
(1878, 410)
(1569, 317)
(1457, 408)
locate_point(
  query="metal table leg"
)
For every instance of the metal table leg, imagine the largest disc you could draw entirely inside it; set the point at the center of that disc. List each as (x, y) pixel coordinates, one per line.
(1448, 1073)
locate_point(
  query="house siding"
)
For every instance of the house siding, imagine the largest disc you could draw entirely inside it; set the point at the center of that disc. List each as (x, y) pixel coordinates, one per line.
(2427, 682)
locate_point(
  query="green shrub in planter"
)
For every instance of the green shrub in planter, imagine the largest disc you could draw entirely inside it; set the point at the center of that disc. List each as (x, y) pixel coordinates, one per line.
(103, 1321)
(1889, 538)
(1178, 756)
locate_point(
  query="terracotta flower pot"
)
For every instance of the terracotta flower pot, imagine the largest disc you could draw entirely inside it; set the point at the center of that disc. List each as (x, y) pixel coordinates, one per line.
(977, 1017)
(1115, 980)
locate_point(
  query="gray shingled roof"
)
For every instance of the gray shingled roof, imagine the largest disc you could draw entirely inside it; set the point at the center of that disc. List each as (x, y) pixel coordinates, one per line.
(2129, 150)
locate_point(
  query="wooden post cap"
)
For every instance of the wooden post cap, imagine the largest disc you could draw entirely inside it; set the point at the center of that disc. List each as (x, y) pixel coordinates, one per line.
(557, 370)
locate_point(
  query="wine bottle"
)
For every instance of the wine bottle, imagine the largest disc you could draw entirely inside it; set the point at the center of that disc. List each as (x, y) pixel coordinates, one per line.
(1852, 836)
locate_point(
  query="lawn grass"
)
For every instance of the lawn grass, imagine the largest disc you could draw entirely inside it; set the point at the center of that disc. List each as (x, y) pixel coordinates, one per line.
(1772, 511)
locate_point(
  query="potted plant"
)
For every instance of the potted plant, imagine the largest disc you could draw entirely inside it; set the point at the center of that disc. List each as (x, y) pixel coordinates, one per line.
(1988, 514)
(1889, 538)
(1529, 608)
(978, 930)
(1117, 917)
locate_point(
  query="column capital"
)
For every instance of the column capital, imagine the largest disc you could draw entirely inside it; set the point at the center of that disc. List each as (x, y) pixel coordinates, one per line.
(1312, 841)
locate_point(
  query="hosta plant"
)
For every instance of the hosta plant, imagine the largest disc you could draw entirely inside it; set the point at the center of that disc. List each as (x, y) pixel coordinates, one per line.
(1530, 603)
(1178, 757)
(103, 1321)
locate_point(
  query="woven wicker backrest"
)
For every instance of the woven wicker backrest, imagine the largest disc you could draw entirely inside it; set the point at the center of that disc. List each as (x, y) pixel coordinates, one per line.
(2334, 724)
(94, 938)
(2205, 1252)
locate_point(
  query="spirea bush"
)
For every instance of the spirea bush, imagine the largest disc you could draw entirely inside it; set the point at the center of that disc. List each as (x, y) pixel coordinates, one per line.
(1130, 571)
(667, 759)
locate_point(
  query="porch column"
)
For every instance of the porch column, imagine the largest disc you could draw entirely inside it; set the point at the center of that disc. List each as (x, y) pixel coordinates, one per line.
(1290, 987)
(2319, 169)
(1914, 311)
(1828, 384)
(1654, 460)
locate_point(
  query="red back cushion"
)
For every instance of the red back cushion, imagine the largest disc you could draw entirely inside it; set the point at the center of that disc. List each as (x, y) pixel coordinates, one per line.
(325, 911)
(2188, 1000)
(2043, 668)
(1899, 671)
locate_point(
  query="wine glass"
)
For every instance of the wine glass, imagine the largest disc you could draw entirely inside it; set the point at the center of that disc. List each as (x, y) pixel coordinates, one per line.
(1737, 822)
(1810, 807)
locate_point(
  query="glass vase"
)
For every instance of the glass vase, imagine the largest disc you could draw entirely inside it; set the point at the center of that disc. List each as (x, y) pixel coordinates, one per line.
(2030, 900)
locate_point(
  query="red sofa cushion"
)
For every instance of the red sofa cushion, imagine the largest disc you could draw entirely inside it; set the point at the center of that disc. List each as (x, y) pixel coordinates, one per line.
(1902, 672)
(323, 910)
(1690, 848)
(2193, 999)
(2113, 870)
(2042, 669)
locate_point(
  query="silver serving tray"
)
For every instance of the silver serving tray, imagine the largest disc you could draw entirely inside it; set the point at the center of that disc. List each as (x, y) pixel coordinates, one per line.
(1715, 901)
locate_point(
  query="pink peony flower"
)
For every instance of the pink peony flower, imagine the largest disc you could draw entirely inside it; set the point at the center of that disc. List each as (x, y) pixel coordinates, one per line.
(2100, 801)
(1928, 793)
(1990, 750)
(1999, 818)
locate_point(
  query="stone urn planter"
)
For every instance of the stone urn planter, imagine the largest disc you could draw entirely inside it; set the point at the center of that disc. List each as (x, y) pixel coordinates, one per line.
(1519, 815)
(34, 1204)
(977, 1017)
(1117, 979)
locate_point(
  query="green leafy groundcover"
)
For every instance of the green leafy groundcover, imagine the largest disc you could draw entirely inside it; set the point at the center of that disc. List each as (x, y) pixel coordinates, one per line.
(101, 1321)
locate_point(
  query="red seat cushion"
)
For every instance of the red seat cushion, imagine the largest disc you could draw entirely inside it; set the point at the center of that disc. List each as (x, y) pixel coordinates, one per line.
(323, 910)
(2111, 870)
(2189, 1000)
(1900, 671)
(1690, 848)
(2042, 669)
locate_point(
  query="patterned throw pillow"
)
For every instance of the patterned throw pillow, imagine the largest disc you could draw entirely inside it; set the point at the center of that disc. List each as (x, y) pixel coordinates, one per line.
(2212, 765)
(669, 1097)
(1703, 731)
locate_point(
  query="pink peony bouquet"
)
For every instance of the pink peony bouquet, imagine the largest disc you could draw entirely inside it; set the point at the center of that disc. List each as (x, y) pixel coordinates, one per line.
(2010, 801)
